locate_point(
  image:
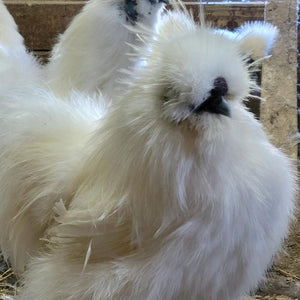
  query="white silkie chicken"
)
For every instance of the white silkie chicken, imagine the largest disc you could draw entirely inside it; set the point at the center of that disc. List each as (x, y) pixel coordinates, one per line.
(93, 49)
(175, 193)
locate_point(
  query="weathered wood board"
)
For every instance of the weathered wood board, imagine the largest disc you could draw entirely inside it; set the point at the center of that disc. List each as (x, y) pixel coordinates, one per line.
(279, 80)
(41, 21)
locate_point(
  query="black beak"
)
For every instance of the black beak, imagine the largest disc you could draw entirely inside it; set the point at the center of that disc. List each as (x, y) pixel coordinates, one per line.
(216, 105)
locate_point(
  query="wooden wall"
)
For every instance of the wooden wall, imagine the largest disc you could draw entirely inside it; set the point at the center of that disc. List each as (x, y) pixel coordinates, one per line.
(41, 21)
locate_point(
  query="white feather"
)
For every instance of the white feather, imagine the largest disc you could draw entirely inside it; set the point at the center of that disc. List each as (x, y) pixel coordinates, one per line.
(89, 55)
(9, 34)
(257, 38)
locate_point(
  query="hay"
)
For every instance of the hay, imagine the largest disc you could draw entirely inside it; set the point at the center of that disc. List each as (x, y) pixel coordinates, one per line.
(8, 287)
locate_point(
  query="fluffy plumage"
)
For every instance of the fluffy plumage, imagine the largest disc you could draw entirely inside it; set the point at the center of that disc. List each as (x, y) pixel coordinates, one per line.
(9, 34)
(90, 54)
(15, 61)
(257, 38)
(173, 193)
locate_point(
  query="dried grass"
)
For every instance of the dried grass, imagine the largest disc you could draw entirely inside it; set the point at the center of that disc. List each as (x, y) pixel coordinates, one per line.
(7, 289)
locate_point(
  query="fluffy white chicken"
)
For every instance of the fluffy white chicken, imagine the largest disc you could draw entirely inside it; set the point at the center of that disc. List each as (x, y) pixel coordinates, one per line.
(175, 193)
(90, 54)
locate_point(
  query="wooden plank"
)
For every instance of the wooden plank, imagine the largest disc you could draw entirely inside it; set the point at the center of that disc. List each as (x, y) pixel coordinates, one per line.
(279, 80)
(230, 16)
(41, 21)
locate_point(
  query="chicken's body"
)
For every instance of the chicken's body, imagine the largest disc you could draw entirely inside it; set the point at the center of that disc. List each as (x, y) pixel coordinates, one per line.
(171, 215)
(174, 193)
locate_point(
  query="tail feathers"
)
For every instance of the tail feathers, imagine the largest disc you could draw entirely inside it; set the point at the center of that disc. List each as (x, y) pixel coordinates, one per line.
(9, 35)
(19, 71)
(256, 38)
(96, 67)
